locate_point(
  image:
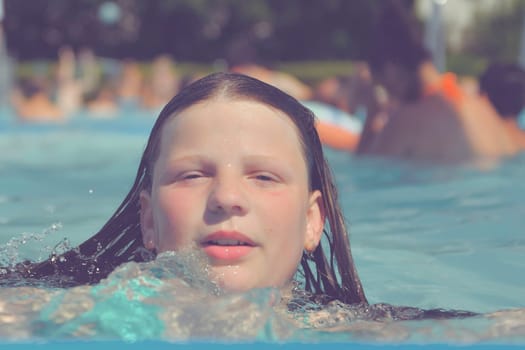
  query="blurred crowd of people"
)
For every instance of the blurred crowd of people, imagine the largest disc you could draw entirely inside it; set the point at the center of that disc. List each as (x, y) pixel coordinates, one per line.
(81, 81)
(408, 109)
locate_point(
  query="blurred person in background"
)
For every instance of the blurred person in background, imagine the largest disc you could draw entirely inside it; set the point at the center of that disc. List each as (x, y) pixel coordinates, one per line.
(429, 117)
(129, 84)
(69, 91)
(102, 101)
(352, 93)
(162, 83)
(90, 71)
(32, 102)
(351, 98)
(503, 84)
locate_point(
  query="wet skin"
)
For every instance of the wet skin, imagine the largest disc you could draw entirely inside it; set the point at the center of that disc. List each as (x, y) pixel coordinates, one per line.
(231, 180)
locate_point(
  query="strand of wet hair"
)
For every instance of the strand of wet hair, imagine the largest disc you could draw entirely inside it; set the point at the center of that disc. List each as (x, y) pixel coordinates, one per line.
(352, 291)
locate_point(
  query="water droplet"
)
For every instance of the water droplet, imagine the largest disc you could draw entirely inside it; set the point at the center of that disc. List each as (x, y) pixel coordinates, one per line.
(54, 227)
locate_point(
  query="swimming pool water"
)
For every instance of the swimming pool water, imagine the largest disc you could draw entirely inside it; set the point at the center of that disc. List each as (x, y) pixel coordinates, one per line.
(423, 236)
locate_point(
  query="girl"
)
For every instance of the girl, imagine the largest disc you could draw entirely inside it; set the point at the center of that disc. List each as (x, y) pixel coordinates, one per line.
(233, 168)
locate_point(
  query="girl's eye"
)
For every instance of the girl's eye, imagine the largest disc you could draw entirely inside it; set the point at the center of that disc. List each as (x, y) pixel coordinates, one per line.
(264, 178)
(191, 176)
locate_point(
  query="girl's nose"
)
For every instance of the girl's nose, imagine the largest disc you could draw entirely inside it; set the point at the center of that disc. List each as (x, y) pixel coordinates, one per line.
(227, 197)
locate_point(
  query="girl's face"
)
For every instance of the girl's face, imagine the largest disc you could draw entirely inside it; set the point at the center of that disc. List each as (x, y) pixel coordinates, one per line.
(231, 180)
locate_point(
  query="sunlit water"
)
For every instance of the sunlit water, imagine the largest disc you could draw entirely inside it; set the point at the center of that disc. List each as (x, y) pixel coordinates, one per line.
(425, 237)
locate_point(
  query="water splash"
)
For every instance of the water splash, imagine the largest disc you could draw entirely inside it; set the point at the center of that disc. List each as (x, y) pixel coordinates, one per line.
(170, 298)
(10, 251)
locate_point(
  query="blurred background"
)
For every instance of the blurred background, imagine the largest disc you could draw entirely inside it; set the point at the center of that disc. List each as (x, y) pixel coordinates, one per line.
(59, 57)
(311, 39)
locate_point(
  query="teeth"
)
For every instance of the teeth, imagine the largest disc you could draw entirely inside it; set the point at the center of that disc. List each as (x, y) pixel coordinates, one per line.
(227, 242)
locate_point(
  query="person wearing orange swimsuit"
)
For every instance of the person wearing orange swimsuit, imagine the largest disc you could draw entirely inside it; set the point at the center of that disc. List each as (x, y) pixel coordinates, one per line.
(430, 118)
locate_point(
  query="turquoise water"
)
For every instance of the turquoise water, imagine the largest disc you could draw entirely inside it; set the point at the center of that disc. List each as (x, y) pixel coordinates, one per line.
(427, 237)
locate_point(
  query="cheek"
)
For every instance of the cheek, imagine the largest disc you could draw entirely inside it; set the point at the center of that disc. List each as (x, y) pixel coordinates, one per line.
(285, 215)
(173, 218)
(285, 223)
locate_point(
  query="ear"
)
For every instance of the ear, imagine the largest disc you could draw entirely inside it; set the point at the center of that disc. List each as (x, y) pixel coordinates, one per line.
(147, 225)
(315, 217)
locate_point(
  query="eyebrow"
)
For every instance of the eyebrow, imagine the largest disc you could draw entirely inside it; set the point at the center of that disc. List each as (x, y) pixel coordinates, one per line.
(202, 158)
(247, 160)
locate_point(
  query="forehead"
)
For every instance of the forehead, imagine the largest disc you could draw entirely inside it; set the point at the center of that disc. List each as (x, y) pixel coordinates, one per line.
(239, 120)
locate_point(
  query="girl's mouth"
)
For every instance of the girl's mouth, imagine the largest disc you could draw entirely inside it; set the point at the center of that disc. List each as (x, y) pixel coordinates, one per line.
(225, 242)
(228, 246)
